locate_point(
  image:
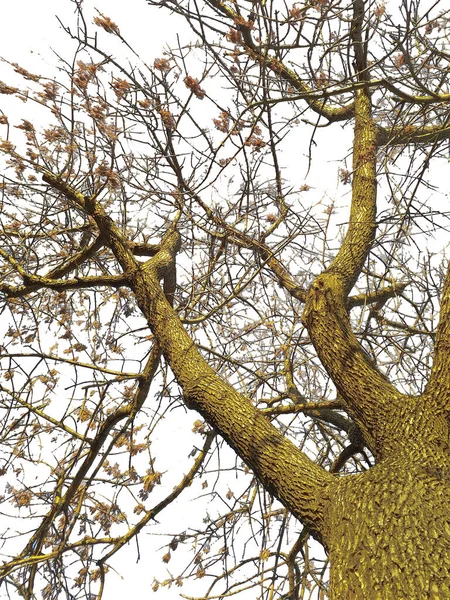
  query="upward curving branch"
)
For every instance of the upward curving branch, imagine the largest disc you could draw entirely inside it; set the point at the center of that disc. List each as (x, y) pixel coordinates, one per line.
(368, 395)
(438, 387)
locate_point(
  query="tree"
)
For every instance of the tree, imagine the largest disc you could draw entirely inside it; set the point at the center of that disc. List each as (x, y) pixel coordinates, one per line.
(158, 253)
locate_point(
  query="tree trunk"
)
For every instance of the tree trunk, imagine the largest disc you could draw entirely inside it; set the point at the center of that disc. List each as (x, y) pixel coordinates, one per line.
(389, 529)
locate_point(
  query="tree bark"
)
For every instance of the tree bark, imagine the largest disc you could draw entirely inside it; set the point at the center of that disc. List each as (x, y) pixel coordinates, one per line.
(389, 530)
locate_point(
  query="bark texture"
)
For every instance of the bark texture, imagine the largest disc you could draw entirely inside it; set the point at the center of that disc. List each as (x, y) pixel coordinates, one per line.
(389, 531)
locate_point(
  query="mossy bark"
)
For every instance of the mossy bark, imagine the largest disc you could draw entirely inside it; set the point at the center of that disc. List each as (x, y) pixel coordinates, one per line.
(389, 531)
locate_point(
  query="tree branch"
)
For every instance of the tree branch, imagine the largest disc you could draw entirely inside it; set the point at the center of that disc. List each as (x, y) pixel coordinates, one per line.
(260, 55)
(368, 395)
(284, 470)
(36, 282)
(438, 387)
(366, 392)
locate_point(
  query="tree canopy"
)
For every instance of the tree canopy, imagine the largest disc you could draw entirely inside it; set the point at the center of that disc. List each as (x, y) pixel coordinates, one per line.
(224, 292)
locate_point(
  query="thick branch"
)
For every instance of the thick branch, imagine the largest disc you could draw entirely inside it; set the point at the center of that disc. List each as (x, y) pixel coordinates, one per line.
(438, 387)
(382, 294)
(358, 240)
(144, 249)
(284, 470)
(366, 392)
(423, 134)
(35, 283)
(369, 397)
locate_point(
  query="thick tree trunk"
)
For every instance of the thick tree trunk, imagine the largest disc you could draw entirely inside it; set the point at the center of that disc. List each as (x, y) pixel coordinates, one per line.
(389, 530)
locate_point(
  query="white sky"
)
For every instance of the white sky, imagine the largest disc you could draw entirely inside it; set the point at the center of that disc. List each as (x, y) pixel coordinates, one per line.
(28, 28)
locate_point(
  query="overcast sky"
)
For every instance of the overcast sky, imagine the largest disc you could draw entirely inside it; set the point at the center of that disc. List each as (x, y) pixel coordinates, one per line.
(28, 28)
